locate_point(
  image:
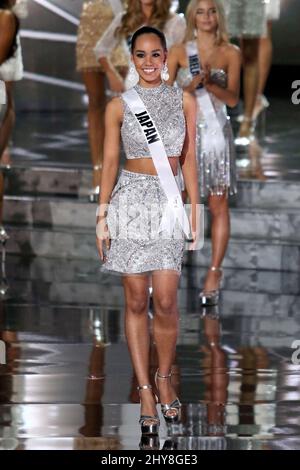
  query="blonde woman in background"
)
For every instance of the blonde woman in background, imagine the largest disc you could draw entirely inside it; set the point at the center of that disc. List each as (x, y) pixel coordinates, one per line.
(157, 13)
(95, 18)
(208, 66)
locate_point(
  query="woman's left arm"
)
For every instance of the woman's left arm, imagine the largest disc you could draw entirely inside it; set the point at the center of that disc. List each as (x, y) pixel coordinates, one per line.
(188, 157)
(229, 95)
(175, 29)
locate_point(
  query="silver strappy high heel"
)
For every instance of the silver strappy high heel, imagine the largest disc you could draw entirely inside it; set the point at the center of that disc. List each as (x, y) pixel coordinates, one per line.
(209, 298)
(148, 428)
(175, 406)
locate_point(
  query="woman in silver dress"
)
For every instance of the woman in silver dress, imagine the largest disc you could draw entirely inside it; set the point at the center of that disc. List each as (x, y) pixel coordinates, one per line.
(138, 244)
(157, 13)
(209, 67)
(96, 17)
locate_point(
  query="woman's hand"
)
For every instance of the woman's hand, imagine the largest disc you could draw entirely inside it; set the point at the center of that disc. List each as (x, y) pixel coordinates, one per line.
(196, 219)
(116, 83)
(205, 74)
(102, 237)
(197, 80)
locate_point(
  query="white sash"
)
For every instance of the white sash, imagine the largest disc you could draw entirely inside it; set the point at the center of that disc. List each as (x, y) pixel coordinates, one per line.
(2, 92)
(175, 210)
(116, 6)
(213, 140)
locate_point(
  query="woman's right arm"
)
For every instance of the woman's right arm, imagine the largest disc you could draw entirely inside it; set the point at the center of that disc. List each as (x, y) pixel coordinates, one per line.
(8, 31)
(173, 63)
(176, 58)
(104, 48)
(113, 120)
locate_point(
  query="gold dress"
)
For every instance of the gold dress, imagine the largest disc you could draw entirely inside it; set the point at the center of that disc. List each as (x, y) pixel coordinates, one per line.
(96, 16)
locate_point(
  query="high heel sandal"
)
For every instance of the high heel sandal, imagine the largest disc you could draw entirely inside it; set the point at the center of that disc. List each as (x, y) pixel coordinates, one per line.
(263, 105)
(175, 406)
(150, 429)
(244, 140)
(209, 298)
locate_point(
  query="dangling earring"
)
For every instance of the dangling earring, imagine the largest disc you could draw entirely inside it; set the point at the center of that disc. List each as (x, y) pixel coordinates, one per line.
(165, 73)
(195, 33)
(132, 77)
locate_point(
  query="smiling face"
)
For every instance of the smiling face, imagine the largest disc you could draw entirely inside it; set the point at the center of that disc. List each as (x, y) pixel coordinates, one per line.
(206, 16)
(149, 57)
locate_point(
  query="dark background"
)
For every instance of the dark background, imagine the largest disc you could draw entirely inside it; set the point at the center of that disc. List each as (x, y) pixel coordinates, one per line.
(52, 83)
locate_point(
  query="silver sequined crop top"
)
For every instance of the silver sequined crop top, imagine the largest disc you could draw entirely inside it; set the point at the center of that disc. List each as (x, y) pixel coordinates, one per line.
(165, 106)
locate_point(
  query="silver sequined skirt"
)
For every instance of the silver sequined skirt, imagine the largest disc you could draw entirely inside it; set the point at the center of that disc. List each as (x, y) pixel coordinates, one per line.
(217, 173)
(246, 18)
(138, 244)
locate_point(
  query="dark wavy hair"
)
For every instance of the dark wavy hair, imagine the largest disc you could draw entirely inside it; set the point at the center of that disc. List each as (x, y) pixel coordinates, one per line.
(148, 30)
(4, 5)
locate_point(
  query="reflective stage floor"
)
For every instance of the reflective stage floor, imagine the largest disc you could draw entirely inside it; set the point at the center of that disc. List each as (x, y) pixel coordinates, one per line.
(68, 384)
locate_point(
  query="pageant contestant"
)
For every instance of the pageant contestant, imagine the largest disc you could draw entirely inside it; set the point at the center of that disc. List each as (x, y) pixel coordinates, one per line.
(11, 70)
(157, 125)
(208, 66)
(95, 18)
(157, 13)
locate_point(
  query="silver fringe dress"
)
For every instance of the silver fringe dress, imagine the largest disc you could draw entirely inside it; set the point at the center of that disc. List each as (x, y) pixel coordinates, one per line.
(138, 243)
(217, 173)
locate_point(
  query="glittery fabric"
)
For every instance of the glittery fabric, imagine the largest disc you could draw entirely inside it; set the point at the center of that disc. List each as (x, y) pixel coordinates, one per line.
(217, 173)
(95, 18)
(246, 18)
(165, 106)
(138, 245)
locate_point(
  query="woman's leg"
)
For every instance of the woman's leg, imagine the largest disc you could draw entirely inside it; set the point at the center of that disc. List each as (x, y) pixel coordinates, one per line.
(250, 76)
(165, 327)
(137, 333)
(95, 87)
(265, 59)
(8, 121)
(220, 232)
(264, 64)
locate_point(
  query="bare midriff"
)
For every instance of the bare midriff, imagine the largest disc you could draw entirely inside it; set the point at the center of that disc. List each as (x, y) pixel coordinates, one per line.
(146, 165)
